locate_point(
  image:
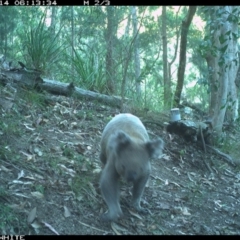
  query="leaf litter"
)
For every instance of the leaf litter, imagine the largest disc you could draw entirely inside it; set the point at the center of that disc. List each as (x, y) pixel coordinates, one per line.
(53, 179)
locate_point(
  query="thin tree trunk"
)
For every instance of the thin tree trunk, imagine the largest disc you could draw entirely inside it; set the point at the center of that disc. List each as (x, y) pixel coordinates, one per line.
(109, 54)
(136, 51)
(167, 82)
(182, 58)
(73, 36)
(176, 47)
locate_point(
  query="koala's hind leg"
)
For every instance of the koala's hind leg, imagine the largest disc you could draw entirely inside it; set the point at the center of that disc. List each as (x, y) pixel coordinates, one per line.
(138, 188)
(109, 184)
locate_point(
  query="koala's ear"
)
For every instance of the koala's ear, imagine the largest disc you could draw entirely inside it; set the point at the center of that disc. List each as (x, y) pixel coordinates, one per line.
(155, 147)
(119, 141)
(122, 138)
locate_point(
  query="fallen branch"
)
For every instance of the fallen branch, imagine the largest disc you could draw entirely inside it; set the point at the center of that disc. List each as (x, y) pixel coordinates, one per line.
(225, 156)
(86, 225)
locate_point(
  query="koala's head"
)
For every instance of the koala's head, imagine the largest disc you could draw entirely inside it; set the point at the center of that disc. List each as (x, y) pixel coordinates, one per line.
(131, 158)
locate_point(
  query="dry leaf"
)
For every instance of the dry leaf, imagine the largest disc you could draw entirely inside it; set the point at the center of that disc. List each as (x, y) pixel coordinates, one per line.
(37, 195)
(36, 225)
(29, 156)
(21, 174)
(32, 215)
(5, 169)
(21, 182)
(26, 125)
(50, 227)
(66, 212)
(135, 214)
(165, 157)
(175, 184)
(89, 148)
(118, 227)
(21, 195)
(97, 170)
(176, 170)
(190, 177)
(185, 211)
(166, 182)
(79, 135)
(64, 123)
(113, 225)
(67, 170)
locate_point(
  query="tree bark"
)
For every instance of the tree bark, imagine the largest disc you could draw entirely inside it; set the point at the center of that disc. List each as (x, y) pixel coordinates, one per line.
(167, 82)
(182, 58)
(136, 52)
(223, 64)
(31, 80)
(233, 104)
(109, 55)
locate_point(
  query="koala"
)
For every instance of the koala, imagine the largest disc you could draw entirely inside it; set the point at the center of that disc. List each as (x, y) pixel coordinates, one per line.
(125, 152)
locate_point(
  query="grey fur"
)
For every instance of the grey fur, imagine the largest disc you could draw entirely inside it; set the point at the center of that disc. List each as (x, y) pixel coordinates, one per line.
(125, 152)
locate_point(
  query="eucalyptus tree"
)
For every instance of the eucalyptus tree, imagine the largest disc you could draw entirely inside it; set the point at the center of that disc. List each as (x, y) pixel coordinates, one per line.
(220, 49)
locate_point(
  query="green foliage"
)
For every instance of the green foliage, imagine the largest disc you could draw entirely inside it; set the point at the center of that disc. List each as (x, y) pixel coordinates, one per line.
(9, 218)
(42, 49)
(68, 152)
(9, 127)
(33, 98)
(8, 22)
(89, 69)
(82, 31)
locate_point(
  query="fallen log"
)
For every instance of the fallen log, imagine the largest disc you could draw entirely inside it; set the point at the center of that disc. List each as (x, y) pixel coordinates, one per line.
(31, 79)
(190, 130)
(67, 89)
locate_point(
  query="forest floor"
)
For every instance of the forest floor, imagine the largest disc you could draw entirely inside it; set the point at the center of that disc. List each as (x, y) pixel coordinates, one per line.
(50, 168)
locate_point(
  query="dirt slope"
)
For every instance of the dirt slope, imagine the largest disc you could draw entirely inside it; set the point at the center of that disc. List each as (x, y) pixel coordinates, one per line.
(49, 173)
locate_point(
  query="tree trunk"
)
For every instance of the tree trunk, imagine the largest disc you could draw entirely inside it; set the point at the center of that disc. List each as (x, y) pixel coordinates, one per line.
(232, 110)
(167, 82)
(127, 54)
(182, 58)
(223, 65)
(176, 47)
(109, 55)
(73, 37)
(136, 52)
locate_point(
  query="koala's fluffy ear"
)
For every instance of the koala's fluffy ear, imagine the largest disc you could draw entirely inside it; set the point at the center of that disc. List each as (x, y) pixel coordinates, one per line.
(155, 148)
(120, 140)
